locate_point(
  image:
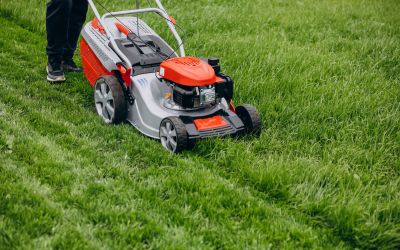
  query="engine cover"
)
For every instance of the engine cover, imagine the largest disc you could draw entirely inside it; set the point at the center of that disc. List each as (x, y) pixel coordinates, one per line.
(188, 71)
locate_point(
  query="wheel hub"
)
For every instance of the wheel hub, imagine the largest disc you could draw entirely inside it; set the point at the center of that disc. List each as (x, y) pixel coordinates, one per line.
(168, 136)
(104, 101)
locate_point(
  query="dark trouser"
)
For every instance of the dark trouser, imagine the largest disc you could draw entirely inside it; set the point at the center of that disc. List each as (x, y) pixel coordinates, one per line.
(64, 21)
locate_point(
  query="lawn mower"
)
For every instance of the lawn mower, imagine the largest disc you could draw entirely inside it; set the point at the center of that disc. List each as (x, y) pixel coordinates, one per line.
(139, 78)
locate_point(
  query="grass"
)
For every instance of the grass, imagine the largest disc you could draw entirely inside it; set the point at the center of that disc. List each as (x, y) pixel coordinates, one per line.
(325, 75)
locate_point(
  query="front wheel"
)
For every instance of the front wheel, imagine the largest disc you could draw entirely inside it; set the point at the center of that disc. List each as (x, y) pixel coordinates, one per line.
(250, 118)
(173, 135)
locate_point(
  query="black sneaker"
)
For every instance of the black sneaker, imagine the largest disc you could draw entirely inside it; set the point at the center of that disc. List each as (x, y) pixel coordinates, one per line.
(70, 66)
(55, 74)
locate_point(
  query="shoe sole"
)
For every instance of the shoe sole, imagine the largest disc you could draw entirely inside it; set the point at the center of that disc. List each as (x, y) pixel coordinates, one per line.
(58, 79)
(67, 70)
(73, 71)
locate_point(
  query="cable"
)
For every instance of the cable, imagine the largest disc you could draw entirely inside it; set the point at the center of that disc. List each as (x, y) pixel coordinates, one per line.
(149, 3)
(137, 18)
(151, 47)
(183, 31)
(148, 45)
(176, 25)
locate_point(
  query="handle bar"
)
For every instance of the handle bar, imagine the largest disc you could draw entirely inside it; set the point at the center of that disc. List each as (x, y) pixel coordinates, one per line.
(160, 11)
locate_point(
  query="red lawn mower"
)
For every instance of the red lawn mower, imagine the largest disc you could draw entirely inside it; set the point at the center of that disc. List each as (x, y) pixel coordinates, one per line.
(138, 77)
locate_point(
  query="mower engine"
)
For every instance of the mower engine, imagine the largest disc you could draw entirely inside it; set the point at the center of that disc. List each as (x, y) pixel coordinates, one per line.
(196, 83)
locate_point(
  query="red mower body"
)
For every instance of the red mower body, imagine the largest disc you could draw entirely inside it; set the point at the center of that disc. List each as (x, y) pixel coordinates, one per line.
(92, 67)
(188, 71)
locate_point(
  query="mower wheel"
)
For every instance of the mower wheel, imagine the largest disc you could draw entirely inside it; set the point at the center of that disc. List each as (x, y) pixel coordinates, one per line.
(251, 119)
(110, 100)
(173, 135)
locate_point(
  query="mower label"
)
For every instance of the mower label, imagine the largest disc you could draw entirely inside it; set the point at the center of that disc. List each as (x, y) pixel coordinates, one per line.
(143, 82)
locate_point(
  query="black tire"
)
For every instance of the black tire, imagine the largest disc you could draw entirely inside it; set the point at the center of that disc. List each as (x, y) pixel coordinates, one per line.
(191, 144)
(115, 99)
(250, 118)
(177, 141)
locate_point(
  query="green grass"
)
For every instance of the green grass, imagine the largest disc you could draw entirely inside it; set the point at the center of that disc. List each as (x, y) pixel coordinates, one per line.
(325, 75)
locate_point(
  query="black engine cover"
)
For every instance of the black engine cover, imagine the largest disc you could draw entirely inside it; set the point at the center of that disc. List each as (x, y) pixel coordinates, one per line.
(185, 97)
(225, 89)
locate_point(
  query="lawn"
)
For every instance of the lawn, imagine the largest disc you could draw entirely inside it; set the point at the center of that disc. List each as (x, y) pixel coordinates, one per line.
(325, 76)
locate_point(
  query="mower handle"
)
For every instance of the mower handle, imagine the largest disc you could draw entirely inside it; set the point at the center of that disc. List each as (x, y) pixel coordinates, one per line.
(160, 11)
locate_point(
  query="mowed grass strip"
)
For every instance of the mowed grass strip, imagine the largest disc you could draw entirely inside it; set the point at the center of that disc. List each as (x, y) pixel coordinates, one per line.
(324, 173)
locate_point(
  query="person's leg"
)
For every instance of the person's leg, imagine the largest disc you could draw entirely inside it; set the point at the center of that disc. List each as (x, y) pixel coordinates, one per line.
(76, 21)
(57, 22)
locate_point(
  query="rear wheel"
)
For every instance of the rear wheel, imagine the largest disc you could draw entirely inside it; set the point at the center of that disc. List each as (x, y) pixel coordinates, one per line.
(110, 100)
(173, 135)
(250, 118)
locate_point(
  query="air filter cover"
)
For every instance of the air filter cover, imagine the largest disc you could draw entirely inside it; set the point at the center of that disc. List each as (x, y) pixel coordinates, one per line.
(188, 71)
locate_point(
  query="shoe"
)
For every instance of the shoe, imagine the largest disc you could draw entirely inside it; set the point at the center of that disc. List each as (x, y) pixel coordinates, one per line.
(70, 66)
(55, 73)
